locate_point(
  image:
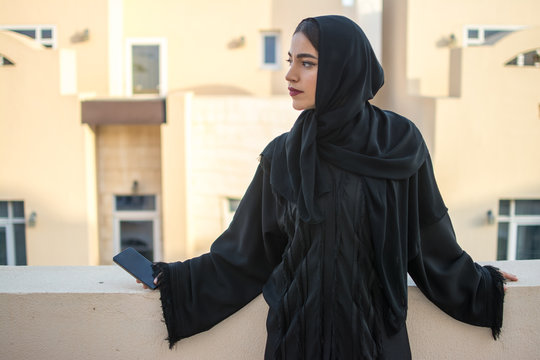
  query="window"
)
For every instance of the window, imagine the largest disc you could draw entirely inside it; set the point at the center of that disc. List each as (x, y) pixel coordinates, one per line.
(519, 230)
(526, 58)
(146, 66)
(12, 233)
(270, 49)
(136, 225)
(229, 209)
(43, 34)
(475, 35)
(4, 61)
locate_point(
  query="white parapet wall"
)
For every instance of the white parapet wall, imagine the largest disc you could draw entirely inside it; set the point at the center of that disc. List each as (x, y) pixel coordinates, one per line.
(101, 313)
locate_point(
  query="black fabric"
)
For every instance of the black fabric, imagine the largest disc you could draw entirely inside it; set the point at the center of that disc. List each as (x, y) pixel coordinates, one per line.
(339, 210)
(345, 130)
(318, 279)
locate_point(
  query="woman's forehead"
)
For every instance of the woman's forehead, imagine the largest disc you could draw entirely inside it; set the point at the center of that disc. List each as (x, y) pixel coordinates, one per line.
(300, 44)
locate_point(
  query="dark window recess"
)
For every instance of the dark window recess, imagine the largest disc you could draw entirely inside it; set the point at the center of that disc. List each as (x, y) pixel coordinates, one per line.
(528, 242)
(269, 49)
(46, 34)
(473, 34)
(529, 58)
(3, 209)
(504, 207)
(145, 69)
(138, 235)
(27, 32)
(135, 203)
(502, 241)
(233, 204)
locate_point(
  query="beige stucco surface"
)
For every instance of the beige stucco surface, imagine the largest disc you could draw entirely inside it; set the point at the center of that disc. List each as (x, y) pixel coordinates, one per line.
(428, 62)
(486, 141)
(101, 313)
(479, 118)
(71, 18)
(43, 152)
(227, 136)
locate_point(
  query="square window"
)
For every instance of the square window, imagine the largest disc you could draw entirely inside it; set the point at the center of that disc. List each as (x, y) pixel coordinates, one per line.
(504, 207)
(135, 203)
(270, 50)
(3, 209)
(527, 207)
(46, 33)
(473, 34)
(145, 69)
(18, 209)
(518, 236)
(233, 204)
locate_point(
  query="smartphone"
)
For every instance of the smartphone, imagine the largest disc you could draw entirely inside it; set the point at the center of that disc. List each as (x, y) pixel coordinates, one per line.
(137, 265)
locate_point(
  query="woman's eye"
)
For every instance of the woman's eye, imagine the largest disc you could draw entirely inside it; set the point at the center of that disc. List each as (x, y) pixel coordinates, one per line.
(289, 61)
(307, 64)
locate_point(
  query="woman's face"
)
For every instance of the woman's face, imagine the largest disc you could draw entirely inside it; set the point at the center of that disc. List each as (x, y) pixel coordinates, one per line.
(302, 75)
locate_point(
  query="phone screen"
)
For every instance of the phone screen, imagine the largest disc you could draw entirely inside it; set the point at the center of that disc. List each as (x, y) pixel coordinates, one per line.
(137, 265)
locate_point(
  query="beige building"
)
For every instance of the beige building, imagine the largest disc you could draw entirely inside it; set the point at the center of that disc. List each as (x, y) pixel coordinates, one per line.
(138, 125)
(469, 76)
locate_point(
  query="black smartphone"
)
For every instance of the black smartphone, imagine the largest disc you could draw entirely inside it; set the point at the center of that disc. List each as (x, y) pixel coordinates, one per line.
(137, 265)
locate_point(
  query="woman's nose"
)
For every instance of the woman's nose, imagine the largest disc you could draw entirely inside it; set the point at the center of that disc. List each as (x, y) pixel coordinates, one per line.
(291, 75)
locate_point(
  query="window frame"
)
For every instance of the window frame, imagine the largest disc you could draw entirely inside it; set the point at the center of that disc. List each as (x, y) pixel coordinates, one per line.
(482, 30)
(277, 48)
(138, 215)
(514, 221)
(10, 233)
(163, 71)
(53, 42)
(227, 213)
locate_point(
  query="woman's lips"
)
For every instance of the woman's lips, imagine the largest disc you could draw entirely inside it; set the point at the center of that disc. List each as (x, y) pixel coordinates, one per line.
(294, 92)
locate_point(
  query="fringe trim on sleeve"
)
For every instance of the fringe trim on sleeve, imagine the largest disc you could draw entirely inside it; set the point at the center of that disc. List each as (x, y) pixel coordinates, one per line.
(164, 285)
(498, 301)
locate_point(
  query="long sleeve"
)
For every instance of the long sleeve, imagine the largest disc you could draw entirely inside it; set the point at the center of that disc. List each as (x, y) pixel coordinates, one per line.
(446, 274)
(199, 293)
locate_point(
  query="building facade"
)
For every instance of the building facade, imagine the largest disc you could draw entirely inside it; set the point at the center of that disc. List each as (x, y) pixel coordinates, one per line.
(129, 124)
(468, 74)
(124, 123)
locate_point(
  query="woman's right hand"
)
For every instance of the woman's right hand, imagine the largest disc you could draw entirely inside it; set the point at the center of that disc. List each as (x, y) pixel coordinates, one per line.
(144, 285)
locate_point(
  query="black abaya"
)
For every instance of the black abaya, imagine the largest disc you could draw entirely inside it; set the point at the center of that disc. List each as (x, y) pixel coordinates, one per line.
(340, 209)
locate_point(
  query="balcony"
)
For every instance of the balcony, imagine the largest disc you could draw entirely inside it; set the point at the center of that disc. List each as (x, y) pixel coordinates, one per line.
(101, 313)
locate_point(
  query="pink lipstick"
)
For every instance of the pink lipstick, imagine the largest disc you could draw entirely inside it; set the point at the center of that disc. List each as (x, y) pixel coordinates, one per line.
(293, 91)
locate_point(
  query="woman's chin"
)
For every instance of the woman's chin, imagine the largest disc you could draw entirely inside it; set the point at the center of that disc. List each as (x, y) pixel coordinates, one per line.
(298, 106)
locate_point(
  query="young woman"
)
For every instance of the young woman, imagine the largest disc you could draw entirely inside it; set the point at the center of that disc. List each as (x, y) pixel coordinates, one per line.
(340, 209)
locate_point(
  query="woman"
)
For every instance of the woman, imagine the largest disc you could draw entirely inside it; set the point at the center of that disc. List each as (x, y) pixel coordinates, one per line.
(340, 209)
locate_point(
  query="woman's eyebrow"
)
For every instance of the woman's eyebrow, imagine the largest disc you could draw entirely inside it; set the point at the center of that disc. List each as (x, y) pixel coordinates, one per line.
(304, 55)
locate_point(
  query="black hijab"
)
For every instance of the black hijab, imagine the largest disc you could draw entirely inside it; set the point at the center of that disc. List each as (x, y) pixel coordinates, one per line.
(346, 131)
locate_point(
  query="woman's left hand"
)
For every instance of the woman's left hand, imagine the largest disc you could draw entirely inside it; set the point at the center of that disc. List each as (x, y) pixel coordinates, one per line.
(508, 277)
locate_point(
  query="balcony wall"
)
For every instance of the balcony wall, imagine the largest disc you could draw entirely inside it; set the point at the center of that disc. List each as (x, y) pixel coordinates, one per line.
(100, 313)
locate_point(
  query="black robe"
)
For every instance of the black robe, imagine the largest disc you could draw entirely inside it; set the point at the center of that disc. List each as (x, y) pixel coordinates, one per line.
(319, 280)
(340, 209)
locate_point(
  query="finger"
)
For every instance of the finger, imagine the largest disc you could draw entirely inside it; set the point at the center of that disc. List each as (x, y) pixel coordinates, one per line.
(508, 276)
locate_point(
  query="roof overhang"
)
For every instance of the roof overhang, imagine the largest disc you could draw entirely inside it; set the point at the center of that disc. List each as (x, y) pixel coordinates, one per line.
(129, 111)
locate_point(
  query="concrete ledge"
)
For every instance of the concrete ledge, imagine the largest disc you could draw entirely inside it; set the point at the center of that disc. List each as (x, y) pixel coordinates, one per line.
(101, 313)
